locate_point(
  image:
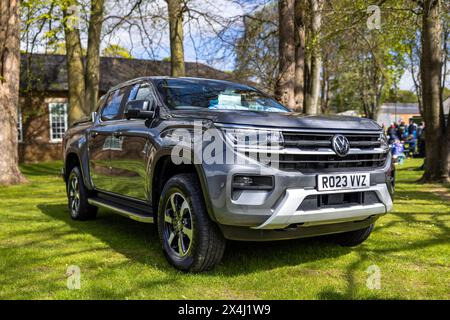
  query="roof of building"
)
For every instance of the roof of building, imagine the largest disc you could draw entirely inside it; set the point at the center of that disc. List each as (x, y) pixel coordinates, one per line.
(400, 108)
(408, 108)
(48, 72)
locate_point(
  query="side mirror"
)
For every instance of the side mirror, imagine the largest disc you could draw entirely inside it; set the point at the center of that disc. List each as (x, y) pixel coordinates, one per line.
(140, 109)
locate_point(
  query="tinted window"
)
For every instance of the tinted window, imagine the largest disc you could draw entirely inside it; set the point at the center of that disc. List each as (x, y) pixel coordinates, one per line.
(113, 103)
(142, 91)
(215, 95)
(145, 92)
(133, 92)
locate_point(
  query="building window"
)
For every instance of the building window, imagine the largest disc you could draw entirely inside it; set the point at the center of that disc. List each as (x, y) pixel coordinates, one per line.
(19, 125)
(58, 121)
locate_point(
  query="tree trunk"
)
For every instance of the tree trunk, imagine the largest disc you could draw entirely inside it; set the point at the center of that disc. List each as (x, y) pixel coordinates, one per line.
(75, 67)
(284, 90)
(299, 86)
(436, 168)
(447, 140)
(9, 91)
(446, 144)
(313, 87)
(412, 69)
(325, 90)
(93, 54)
(176, 38)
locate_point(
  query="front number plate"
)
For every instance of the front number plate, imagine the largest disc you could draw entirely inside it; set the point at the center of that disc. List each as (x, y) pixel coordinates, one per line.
(328, 182)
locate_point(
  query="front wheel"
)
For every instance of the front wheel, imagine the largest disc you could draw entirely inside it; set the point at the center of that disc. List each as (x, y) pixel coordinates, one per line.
(190, 240)
(77, 195)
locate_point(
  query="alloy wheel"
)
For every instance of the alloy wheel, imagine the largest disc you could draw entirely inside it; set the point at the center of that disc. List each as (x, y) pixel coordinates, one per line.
(74, 195)
(178, 229)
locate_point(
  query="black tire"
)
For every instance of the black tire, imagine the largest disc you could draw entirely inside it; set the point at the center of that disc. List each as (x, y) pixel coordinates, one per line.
(202, 243)
(353, 238)
(77, 196)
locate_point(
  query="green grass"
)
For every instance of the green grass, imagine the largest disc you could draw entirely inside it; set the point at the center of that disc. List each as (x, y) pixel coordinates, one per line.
(121, 259)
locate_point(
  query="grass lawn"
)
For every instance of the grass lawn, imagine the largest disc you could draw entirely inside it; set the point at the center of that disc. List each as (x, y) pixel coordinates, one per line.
(121, 259)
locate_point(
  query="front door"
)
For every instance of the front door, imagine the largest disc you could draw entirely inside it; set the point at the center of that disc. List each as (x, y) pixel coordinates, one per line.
(100, 141)
(133, 146)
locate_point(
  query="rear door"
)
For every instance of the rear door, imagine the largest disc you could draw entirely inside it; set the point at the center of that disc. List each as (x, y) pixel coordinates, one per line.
(129, 160)
(100, 140)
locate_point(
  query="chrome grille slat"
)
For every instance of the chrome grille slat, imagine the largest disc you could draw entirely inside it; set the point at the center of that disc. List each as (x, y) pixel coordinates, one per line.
(325, 161)
(365, 144)
(308, 143)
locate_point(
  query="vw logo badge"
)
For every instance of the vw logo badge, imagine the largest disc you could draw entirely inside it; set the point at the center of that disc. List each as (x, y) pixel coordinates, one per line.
(340, 145)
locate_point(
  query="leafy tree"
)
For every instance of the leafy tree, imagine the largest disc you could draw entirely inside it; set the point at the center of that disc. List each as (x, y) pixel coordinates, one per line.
(363, 64)
(257, 48)
(116, 51)
(401, 96)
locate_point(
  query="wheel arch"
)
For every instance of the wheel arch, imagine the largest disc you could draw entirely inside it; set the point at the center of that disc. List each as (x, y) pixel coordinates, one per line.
(73, 159)
(163, 169)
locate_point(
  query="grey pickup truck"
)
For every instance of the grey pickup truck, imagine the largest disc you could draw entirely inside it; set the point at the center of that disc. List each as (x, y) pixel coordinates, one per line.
(209, 160)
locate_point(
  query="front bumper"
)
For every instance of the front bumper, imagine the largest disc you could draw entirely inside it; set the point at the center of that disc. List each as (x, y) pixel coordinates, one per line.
(263, 209)
(287, 213)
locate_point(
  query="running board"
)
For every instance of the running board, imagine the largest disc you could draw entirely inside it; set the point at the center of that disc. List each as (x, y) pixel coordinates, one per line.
(122, 210)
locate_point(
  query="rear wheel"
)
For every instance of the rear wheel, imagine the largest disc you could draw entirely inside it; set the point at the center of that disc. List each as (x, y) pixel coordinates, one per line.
(77, 195)
(190, 240)
(353, 238)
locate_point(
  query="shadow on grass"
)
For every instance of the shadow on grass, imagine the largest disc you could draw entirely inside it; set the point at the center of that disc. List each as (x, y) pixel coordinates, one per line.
(41, 169)
(364, 253)
(139, 242)
(416, 195)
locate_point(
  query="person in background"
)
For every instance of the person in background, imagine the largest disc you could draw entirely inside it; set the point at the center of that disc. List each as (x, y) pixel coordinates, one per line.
(402, 130)
(420, 133)
(398, 152)
(392, 133)
(412, 144)
(412, 128)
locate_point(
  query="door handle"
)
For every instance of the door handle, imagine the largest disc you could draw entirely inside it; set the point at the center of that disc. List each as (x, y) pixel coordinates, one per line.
(93, 134)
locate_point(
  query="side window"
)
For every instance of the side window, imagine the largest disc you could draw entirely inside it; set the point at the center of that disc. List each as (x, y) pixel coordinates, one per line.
(113, 103)
(141, 91)
(133, 92)
(145, 92)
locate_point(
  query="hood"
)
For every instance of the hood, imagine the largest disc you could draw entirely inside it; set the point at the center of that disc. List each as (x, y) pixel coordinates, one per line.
(282, 120)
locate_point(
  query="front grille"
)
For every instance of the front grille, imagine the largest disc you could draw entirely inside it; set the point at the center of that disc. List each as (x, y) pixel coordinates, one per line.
(336, 200)
(316, 152)
(312, 141)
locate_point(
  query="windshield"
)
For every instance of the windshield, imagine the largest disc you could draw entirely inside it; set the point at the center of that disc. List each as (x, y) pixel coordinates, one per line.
(214, 95)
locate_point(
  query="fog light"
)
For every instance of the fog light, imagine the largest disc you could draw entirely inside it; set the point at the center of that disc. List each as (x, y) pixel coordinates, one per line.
(253, 182)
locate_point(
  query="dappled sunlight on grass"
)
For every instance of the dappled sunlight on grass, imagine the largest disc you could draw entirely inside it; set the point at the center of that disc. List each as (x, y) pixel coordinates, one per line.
(120, 258)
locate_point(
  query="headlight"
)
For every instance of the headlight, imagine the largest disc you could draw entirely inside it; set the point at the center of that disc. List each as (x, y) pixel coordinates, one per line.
(383, 141)
(257, 138)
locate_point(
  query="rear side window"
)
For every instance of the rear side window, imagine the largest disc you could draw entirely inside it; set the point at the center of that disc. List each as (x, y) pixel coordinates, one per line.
(142, 91)
(112, 106)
